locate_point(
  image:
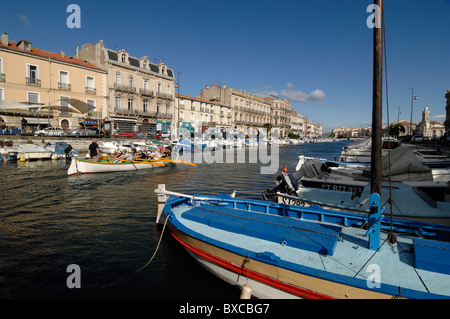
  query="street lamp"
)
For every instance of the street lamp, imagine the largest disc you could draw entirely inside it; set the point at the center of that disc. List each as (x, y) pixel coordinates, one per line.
(412, 100)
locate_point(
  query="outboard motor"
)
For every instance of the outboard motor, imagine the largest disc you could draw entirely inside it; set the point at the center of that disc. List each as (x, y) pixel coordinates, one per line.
(69, 152)
(287, 184)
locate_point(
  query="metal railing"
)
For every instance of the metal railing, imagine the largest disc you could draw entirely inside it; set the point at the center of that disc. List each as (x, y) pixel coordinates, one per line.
(33, 81)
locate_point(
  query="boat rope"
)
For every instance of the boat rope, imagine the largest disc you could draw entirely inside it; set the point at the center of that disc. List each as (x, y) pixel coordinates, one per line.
(412, 265)
(157, 246)
(363, 266)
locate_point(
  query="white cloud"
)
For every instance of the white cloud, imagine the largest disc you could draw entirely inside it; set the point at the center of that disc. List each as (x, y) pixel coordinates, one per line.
(25, 21)
(300, 96)
(293, 95)
(440, 117)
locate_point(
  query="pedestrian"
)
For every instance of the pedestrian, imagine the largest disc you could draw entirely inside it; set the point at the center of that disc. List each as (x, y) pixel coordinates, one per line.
(94, 151)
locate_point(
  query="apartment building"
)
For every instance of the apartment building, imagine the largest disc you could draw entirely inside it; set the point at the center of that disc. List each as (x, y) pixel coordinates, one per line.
(196, 115)
(297, 123)
(249, 112)
(39, 88)
(141, 92)
(280, 115)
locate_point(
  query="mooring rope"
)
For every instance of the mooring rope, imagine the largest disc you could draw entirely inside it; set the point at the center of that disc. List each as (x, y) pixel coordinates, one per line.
(157, 247)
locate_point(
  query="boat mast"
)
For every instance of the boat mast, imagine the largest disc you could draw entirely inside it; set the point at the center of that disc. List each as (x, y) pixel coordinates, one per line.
(375, 174)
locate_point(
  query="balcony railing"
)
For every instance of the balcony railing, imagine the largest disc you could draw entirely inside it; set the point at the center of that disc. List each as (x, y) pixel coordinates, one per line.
(124, 88)
(164, 95)
(64, 86)
(90, 90)
(33, 81)
(142, 113)
(146, 92)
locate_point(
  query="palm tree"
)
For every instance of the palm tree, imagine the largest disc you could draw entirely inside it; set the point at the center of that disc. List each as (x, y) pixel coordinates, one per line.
(268, 127)
(396, 129)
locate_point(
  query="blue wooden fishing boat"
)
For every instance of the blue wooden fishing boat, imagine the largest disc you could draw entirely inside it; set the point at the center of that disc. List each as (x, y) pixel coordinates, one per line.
(284, 251)
(273, 250)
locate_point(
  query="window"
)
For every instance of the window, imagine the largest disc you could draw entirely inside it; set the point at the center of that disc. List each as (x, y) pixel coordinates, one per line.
(91, 103)
(145, 106)
(1, 94)
(144, 64)
(33, 75)
(90, 85)
(63, 101)
(169, 90)
(130, 105)
(118, 78)
(64, 80)
(90, 82)
(124, 58)
(130, 81)
(118, 104)
(33, 97)
(158, 108)
(146, 85)
(2, 75)
(168, 109)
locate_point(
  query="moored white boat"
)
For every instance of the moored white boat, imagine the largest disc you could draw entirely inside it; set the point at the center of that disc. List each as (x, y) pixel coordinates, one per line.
(86, 166)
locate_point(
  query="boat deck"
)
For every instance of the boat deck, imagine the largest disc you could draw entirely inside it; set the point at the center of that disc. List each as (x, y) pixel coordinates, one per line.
(322, 250)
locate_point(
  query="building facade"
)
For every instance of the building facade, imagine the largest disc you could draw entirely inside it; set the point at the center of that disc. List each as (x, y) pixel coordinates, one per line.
(447, 116)
(429, 128)
(39, 88)
(194, 114)
(141, 93)
(249, 112)
(280, 115)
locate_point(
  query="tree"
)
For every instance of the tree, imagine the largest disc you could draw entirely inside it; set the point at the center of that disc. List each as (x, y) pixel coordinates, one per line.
(268, 127)
(396, 129)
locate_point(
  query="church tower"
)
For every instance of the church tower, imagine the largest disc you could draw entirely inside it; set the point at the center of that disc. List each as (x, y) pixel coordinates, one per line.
(447, 118)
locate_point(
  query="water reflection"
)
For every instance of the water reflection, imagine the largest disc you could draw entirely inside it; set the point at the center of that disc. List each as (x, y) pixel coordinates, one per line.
(105, 224)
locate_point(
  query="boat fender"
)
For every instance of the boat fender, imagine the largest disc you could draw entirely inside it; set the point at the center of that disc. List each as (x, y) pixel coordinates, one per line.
(246, 292)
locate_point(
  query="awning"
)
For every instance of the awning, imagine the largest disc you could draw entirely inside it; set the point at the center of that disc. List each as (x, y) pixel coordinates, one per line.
(35, 120)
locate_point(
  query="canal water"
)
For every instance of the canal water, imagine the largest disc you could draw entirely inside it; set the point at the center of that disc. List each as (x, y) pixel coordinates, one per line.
(105, 224)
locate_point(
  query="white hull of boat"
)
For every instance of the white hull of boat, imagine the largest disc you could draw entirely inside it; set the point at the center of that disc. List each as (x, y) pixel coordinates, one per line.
(259, 289)
(91, 167)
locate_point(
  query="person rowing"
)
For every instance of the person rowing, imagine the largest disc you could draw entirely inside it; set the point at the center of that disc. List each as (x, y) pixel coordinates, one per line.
(124, 157)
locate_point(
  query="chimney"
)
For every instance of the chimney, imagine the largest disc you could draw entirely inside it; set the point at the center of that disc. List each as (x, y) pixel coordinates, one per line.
(63, 54)
(78, 47)
(4, 39)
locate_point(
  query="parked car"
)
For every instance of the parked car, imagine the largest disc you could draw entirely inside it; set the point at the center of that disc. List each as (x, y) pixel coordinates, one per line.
(126, 134)
(85, 132)
(50, 131)
(163, 135)
(420, 139)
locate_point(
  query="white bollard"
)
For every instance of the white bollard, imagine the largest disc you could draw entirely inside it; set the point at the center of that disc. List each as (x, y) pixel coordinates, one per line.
(162, 198)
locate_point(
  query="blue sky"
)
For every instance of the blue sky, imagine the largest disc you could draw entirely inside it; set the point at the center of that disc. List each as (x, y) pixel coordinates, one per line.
(317, 53)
